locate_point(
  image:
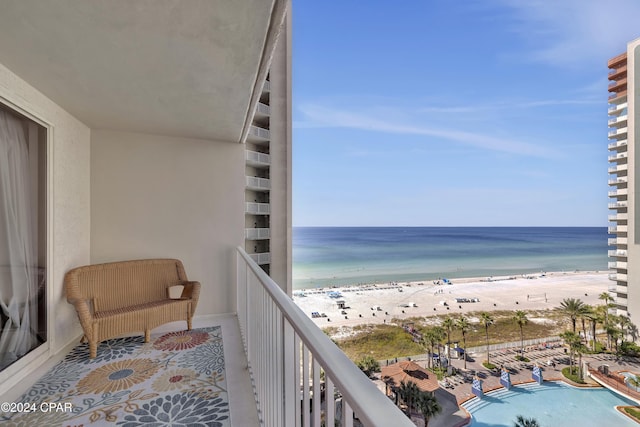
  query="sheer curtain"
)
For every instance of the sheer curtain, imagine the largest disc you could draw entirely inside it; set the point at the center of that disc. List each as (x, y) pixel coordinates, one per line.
(18, 272)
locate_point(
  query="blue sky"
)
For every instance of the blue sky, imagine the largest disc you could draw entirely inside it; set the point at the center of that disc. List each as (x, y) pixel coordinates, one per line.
(440, 113)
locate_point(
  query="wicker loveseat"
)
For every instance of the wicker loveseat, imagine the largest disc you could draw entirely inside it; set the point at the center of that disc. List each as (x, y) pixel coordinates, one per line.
(116, 298)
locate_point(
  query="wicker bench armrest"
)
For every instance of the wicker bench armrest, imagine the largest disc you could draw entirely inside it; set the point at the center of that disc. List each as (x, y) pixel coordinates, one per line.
(191, 290)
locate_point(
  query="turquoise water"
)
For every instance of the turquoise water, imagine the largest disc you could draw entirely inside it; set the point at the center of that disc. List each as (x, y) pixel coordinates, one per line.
(552, 404)
(324, 256)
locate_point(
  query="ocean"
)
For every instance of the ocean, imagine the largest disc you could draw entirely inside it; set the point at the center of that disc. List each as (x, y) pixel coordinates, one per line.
(327, 256)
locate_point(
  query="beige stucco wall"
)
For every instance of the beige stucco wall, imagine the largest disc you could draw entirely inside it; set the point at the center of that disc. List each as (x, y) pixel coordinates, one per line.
(69, 203)
(156, 196)
(633, 247)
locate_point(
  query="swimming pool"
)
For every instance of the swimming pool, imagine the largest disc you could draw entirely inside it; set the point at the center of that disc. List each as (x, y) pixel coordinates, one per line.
(552, 404)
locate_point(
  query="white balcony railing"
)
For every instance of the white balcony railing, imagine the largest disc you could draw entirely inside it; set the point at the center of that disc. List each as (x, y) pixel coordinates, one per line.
(618, 156)
(261, 258)
(619, 180)
(619, 252)
(617, 132)
(260, 184)
(257, 233)
(616, 144)
(255, 158)
(258, 208)
(261, 133)
(286, 352)
(617, 205)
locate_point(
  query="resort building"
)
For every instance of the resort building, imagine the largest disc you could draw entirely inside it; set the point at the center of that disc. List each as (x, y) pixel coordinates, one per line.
(161, 130)
(624, 240)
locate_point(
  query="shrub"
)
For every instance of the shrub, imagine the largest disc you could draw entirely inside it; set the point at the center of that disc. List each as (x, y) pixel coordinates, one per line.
(572, 374)
(368, 365)
(634, 412)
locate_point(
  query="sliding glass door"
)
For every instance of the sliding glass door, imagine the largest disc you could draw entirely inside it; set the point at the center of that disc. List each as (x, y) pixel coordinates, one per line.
(23, 305)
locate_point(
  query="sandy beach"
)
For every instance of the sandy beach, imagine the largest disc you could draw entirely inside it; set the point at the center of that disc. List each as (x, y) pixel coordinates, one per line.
(381, 303)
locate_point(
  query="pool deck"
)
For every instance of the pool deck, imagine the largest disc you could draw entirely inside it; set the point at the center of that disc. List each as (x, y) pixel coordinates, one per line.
(459, 390)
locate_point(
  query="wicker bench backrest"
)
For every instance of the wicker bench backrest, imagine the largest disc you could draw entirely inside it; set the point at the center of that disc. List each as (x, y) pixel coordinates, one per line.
(125, 283)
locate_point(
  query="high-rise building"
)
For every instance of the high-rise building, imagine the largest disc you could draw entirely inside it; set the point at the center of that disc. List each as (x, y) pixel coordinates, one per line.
(624, 241)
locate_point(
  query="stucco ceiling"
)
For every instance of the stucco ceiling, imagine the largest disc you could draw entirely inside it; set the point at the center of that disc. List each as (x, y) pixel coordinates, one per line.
(172, 67)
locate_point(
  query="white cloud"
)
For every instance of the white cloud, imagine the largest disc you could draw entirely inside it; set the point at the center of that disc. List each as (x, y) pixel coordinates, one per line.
(571, 32)
(320, 116)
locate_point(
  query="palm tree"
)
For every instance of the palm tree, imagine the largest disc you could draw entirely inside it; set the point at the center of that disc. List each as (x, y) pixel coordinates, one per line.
(428, 406)
(525, 422)
(625, 324)
(448, 325)
(573, 341)
(608, 303)
(521, 320)
(464, 325)
(572, 308)
(430, 339)
(486, 320)
(409, 393)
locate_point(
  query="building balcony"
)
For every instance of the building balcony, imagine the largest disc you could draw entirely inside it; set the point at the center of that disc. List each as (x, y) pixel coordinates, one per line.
(620, 277)
(618, 121)
(618, 180)
(262, 110)
(617, 108)
(266, 87)
(618, 73)
(617, 241)
(257, 233)
(618, 229)
(618, 192)
(618, 217)
(618, 156)
(286, 352)
(617, 253)
(617, 144)
(258, 184)
(618, 85)
(618, 205)
(618, 97)
(257, 208)
(261, 258)
(619, 265)
(258, 135)
(618, 132)
(618, 168)
(617, 61)
(253, 158)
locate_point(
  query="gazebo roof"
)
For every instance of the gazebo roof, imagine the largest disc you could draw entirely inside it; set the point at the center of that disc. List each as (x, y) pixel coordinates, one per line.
(410, 371)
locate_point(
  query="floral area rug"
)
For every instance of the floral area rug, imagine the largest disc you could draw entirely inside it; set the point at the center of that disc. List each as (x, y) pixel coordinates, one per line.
(177, 379)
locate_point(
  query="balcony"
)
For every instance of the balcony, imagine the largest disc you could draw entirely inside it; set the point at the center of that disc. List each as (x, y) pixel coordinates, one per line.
(618, 85)
(618, 229)
(618, 217)
(615, 133)
(258, 208)
(620, 277)
(618, 205)
(618, 121)
(617, 144)
(617, 253)
(618, 168)
(253, 158)
(618, 73)
(619, 156)
(616, 109)
(619, 265)
(257, 233)
(618, 180)
(286, 352)
(618, 192)
(262, 110)
(267, 86)
(618, 98)
(617, 241)
(261, 258)
(618, 61)
(258, 184)
(258, 135)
